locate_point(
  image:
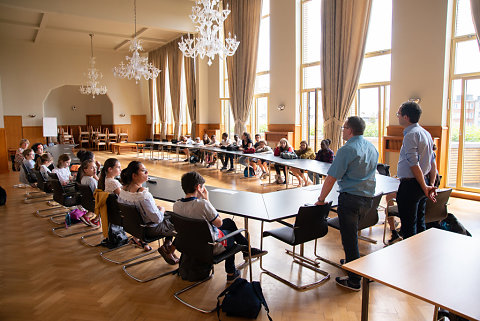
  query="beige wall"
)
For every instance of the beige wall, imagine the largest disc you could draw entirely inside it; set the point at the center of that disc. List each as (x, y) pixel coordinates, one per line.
(29, 72)
(420, 52)
(208, 91)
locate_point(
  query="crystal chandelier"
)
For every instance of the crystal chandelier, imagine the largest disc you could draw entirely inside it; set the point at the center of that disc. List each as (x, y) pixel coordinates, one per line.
(136, 66)
(92, 87)
(208, 20)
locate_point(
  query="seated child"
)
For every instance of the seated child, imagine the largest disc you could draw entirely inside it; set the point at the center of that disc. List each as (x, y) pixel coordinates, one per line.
(28, 156)
(63, 169)
(19, 154)
(42, 165)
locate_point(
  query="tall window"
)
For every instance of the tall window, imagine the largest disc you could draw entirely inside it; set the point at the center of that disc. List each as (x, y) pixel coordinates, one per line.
(258, 119)
(464, 108)
(373, 94)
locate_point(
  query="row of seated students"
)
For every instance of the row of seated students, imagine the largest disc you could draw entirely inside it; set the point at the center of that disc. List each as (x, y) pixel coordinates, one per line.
(259, 166)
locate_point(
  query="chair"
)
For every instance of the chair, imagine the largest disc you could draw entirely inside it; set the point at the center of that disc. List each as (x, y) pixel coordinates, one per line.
(88, 202)
(310, 224)
(434, 212)
(383, 169)
(100, 140)
(83, 137)
(194, 240)
(134, 225)
(369, 220)
(123, 137)
(44, 185)
(111, 138)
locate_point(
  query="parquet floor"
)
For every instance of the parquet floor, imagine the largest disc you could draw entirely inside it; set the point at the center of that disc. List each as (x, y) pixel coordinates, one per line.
(44, 277)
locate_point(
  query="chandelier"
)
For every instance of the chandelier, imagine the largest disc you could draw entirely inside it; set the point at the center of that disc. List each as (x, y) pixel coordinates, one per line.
(136, 66)
(92, 87)
(208, 20)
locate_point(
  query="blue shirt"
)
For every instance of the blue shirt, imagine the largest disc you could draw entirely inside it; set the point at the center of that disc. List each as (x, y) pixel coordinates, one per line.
(354, 167)
(417, 149)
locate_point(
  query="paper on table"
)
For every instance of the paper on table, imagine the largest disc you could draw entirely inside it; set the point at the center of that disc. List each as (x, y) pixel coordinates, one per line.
(224, 191)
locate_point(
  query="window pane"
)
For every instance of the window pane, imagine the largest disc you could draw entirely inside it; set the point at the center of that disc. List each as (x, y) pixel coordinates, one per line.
(379, 35)
(311, 31)
(262, 84)
(262, 108)
(311, 77)
(375, 69)
(463, 22)
(467, 57)
(263, 56)
(265, 7)
(455, 112)
(368, 103)
(471, 147)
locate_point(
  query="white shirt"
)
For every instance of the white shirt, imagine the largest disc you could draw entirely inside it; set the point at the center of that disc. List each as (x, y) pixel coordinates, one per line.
(144, 203)
(44, 170)
(63, 174)
(90, 181)
(111, 184)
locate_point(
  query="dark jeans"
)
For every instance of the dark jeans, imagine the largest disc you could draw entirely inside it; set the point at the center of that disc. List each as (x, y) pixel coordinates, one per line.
(229, 226)
(278, 168)
(411, 203)
(224, 158)
(351, 209)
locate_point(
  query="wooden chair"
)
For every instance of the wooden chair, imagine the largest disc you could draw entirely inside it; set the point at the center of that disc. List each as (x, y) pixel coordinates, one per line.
(123, 136)
(83, 137)
(111, 138)
(194, 239)
(101, 140)
(66, 136)
(310, 224)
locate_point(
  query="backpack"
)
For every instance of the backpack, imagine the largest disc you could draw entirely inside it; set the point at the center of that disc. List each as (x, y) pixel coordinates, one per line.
(288, 155)
(116, 237)
(3, 196)
(248, 172)
(451, 223)
(192, 269)
(242, 299)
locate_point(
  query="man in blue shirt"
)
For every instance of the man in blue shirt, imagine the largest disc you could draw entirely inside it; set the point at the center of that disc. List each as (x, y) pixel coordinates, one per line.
(354, 169)
(416, 169)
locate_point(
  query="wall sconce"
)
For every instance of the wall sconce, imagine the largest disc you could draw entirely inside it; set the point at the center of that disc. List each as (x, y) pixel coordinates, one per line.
(74, 108)
(122, 115)
(281, 107)
(416, 99)
(32, 115)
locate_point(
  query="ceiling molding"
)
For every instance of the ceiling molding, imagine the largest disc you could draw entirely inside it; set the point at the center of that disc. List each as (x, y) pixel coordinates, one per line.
(41, 28)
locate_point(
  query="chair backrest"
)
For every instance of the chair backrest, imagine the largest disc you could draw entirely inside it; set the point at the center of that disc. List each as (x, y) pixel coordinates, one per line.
(86, 197)
(193, 238)
(438, 211)
(114, 216)
(132, 220)
(383, 169)
(41, 183)
(311, 223)
(29, 174)
(371, 217)
(59, 195)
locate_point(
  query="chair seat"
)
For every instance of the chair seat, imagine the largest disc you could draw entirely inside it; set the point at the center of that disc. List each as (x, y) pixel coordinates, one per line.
(284, 234)
(393, 211)
(225, 254)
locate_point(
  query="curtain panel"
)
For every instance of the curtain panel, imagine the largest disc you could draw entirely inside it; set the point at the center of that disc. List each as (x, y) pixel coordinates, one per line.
(159, 57)
(153, 104)
(174, 76)
(344, 31)
(189, 65)
(242, 66)
(475, 5)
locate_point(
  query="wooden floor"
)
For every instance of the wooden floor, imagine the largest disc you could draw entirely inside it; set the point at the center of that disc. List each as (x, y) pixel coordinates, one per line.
(44, 277)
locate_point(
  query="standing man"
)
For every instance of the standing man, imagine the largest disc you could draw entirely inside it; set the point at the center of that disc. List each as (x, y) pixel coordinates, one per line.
(416, 169)
(354, 168)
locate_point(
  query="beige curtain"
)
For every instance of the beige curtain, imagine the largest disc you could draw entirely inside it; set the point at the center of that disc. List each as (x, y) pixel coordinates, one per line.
(174, 76)
(475, 5)
(344, 30)
(242, 66)
(153, 104)
(158, 58)
(189, 65)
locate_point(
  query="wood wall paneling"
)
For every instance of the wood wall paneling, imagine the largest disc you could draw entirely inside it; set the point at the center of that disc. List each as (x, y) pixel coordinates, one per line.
(13, 130)
(138, 126)
(34, 134)
(3, 151)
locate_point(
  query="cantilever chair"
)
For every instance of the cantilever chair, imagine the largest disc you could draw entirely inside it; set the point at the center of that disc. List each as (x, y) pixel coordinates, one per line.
(310, 224)
(194, 240)
(134, 225)
(44, 185)
(88, 202)
(434, 212)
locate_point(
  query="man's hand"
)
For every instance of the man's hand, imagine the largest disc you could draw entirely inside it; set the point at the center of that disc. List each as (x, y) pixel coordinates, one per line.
(320, 202)
(431, 193)
(203, 192)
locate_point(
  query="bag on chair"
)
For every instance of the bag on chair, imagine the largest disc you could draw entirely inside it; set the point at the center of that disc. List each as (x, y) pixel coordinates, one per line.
(116, 237)
(193, 270)
(3, 196)
(288, 155)
(248, 172)
(242, 299)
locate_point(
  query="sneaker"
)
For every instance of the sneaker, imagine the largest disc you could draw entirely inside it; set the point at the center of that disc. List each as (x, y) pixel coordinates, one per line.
(395, 238)
(208, 166)
(255, 253)
(231, 170)
(345, 282)
(233, 277)
(223, 168)
(186, 160)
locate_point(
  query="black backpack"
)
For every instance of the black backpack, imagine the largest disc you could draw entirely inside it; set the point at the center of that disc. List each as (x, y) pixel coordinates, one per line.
(192, 269)
(116, 237)
(3, 196)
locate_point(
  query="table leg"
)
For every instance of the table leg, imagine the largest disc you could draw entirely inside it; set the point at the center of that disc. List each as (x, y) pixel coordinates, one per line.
(365, 297)
(286, 177)
(435, 313)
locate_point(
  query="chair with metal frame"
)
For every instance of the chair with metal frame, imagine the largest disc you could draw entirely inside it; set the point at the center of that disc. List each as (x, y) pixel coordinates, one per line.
(194, 239)
(434, 212)
(134, 225)
(370, 219)
(310, 224)
(88, 202)
(44, 185)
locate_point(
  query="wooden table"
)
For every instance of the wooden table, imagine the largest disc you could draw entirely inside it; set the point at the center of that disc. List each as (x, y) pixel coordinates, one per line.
(119, 146)
(436, 266)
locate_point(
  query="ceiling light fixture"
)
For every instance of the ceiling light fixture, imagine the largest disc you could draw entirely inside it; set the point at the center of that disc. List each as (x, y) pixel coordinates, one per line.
(93, 87)
(136, 66)
(208, 20)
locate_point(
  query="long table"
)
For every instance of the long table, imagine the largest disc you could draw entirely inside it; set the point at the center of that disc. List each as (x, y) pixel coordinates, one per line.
(59, 149)
(436, 266)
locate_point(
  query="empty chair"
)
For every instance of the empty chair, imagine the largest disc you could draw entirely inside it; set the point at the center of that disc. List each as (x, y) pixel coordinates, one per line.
(310, 224)
(123, 136)
(112, 138)
(100, 140)
(83, 137)
(383, 169)
(194, 240)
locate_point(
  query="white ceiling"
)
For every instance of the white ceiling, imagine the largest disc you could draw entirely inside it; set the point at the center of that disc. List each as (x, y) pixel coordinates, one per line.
(69, 22)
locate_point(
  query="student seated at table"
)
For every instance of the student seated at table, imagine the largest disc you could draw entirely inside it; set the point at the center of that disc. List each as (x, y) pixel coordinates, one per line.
(195, 204)
(253, 161)
(305, 152)
(236, 141)
(42, 165)
(185, 140)
(107, 181)
(324, 154)
(87, 175)
(194, 154)
(263, 148)
(28, 156)
(283, 146)
(211, 157)
(63, 169)
(225, 158)
(247, 143)
(18, 160)
(38, 150)
(84, 155)
(133, 193)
